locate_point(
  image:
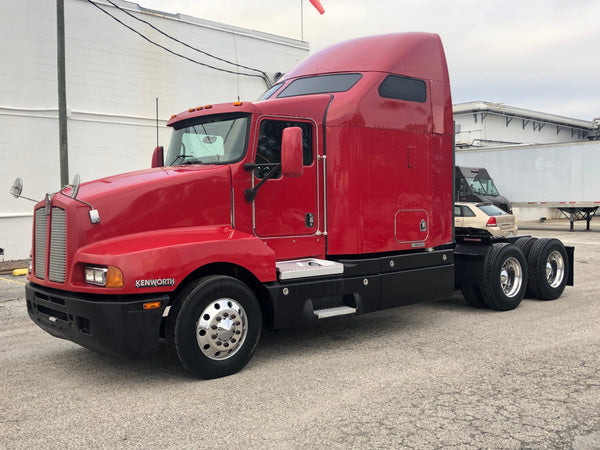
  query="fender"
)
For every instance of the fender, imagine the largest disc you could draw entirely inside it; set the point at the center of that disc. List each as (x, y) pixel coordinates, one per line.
(158, 261)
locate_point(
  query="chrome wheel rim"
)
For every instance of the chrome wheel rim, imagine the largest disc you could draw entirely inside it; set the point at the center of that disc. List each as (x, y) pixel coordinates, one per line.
(555, 269)
(511, 277)
(221, 329)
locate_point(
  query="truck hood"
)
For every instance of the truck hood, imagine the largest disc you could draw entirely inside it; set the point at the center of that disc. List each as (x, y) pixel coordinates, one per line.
(153, 199)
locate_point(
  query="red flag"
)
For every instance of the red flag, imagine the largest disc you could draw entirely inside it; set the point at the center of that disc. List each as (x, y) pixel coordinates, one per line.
(317, 4)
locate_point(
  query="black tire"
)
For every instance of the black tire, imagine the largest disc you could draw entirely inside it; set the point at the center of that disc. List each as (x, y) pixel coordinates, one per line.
(525, 243)
(214, 327)
(504, 277)
(473, 296)
(548, 269)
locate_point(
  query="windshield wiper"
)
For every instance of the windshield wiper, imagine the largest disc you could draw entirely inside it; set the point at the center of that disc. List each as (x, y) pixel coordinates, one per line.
(182, 156)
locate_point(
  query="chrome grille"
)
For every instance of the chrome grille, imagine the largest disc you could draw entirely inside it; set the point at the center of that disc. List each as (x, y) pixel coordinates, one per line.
(58, 246)
(39, 258)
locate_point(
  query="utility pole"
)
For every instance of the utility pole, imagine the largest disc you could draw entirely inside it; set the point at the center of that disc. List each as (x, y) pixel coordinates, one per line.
(302, 20)
(62, 94)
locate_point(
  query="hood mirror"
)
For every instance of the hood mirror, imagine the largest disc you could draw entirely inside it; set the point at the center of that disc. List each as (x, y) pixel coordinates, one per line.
(17, 188)
(75, 186)
(158, 158)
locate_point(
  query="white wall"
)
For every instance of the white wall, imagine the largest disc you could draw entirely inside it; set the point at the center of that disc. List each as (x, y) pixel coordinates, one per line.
(490, 127)
(113, 79)
(541, 175)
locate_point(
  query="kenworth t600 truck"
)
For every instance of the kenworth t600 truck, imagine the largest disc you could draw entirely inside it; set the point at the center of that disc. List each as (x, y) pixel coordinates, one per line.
(331, 195)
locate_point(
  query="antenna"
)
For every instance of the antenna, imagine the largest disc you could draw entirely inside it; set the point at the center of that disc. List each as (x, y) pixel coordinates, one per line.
(237, 67)
(157, 121)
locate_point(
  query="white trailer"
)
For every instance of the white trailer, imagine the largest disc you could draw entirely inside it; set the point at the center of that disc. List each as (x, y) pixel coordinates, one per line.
(540, 178)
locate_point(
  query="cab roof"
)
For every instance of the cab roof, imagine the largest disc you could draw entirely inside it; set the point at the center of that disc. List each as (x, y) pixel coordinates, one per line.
(416, 54)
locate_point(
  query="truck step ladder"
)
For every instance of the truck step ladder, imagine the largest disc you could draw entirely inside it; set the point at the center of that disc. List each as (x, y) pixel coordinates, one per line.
(334, 312)
(309, 267)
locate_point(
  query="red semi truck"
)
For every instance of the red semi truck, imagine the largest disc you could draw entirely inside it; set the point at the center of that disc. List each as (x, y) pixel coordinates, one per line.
(331, 195)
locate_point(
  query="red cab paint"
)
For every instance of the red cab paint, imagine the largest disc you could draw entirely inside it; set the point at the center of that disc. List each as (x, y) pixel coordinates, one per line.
(221, 239)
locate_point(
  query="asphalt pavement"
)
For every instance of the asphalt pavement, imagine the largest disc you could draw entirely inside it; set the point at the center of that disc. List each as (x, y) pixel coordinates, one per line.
(435, 374)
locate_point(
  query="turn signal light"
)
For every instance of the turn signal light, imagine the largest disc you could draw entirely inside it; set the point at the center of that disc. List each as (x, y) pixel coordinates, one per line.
(114, 277)
(152, 305)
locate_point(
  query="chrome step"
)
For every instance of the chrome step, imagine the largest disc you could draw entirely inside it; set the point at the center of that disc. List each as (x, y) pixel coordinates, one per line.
(333, 312)
(309, 267)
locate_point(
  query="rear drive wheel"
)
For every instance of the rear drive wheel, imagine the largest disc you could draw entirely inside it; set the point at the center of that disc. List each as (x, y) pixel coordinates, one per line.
(214, 327)
(473, 296)
(525, 243)
(548, 269)
(504, 277)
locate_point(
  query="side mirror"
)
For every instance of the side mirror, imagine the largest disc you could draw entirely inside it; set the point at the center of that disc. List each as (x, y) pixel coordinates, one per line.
(291, 152)
(158, 158)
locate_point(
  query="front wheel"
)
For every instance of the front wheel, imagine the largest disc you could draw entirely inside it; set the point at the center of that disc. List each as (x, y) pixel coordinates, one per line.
(214, 327)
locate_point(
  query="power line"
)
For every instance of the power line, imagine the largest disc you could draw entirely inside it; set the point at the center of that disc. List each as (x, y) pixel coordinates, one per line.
(184, 43)
(263, 77)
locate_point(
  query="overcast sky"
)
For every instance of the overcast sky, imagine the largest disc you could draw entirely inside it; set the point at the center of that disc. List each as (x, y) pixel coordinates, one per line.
(536, 54)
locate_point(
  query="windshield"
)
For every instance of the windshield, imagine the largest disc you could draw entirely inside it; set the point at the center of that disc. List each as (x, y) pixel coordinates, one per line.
(483, 186)
(209, 140)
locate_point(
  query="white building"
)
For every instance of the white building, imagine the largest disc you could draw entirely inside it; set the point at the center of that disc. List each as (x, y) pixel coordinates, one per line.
(483, 124)
(540, 162)
(113, 79)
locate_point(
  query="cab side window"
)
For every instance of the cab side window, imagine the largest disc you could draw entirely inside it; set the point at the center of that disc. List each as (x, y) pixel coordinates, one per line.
(268, 150)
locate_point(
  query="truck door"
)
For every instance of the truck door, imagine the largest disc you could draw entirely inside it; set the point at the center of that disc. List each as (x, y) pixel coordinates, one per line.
(285, 207)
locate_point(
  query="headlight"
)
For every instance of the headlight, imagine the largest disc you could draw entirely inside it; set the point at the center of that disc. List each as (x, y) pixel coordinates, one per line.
(110, 276)
(96, 275)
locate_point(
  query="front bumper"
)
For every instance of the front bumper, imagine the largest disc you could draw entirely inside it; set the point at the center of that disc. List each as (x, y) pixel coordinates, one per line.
(112, 325)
